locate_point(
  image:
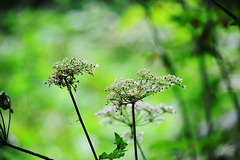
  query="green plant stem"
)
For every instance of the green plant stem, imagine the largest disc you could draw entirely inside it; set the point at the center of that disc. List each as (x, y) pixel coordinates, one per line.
(81, 120)
(27, 151)
(2, 136)
(208, 103)
(207, 94)
(134, 131)
(3, 128)
(140, 148)
(9, 121)
(138, 144)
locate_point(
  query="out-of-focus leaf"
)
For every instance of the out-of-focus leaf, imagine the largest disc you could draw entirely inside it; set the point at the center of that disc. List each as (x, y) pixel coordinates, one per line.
(132, 17)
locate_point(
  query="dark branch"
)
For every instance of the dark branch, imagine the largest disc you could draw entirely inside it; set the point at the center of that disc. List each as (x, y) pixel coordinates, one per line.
(225, 9)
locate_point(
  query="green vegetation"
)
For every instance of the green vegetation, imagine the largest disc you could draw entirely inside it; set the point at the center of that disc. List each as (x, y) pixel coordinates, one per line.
(118, 152)
(195, 40)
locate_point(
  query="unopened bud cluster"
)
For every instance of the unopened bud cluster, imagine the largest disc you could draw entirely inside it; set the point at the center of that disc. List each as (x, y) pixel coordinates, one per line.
(68, 69)
(126, 91)
(5, 101)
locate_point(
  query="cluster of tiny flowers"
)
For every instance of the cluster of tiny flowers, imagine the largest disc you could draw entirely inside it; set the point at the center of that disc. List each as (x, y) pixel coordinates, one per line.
(168, 109)
(145, 113)
(68, 69)
(108, 112)
(127, 136)
(126, 91)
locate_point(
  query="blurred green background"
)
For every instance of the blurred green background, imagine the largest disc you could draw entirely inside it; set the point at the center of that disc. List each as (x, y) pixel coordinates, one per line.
(191, 39)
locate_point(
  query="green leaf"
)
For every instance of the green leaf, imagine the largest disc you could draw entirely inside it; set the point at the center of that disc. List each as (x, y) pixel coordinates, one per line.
(118, 152)
(104, 155)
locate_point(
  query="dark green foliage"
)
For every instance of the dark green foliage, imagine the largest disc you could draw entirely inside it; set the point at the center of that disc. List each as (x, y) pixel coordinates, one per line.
(113, 33)
(5, 101)
(235, 22)
(118, 152)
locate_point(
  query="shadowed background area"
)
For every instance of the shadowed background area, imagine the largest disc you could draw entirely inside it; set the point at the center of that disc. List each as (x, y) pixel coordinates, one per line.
(198, 41)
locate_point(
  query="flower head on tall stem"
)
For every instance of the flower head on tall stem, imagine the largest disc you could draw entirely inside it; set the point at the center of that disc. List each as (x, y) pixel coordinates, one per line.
(64, 76)
(128, 91)
(68, 69)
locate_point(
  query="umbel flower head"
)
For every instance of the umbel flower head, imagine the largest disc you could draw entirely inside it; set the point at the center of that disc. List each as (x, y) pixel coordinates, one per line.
(68, 69)
(126, 91)
(145, 114)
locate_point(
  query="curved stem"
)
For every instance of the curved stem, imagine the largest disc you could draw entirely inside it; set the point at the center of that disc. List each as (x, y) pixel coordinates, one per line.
(134, 131)
(2, 136)
(9, 121)
(81, 120)
(27, 151)
(3, 127)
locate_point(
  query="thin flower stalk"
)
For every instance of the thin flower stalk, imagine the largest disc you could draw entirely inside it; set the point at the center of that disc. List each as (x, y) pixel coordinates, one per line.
(64, 75)
(134, 131)
(81, 120)
(138, 145)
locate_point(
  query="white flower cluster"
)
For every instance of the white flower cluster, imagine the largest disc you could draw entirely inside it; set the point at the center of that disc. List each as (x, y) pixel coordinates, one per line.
(127, 136)
(108, 112)
(126, 91)
(144, 113)
(68, 69)
(168, 109)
